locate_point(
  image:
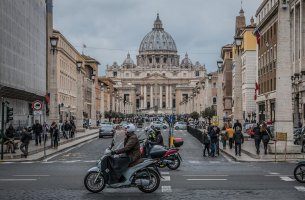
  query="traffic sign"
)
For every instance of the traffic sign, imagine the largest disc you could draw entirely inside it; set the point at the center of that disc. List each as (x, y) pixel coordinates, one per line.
(37, 105)
(37, 112)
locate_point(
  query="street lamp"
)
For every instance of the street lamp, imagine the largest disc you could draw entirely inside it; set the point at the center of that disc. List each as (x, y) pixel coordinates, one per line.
(238, 42)
(79, 65)
(210, 76)
(54, 42)
(219, 64)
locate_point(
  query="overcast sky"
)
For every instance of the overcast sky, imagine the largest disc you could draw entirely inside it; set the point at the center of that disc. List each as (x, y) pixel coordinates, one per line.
(112, 28)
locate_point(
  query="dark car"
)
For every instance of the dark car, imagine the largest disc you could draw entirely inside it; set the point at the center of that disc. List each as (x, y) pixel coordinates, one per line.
(106, 130)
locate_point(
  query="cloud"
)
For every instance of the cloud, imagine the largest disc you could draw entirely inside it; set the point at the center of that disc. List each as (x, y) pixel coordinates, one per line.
(112, 28)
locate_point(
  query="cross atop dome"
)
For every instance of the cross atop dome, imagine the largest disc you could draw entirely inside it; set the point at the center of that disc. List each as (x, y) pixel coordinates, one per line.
(158, 23)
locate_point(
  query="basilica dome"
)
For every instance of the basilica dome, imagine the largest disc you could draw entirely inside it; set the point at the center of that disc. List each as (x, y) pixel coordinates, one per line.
(158, 39)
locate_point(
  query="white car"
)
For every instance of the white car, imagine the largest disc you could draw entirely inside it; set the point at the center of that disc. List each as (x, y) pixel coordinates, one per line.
(159, 124)
(180, 126)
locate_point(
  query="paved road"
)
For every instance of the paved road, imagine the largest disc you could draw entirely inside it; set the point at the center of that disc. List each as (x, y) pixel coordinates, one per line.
(61, 176)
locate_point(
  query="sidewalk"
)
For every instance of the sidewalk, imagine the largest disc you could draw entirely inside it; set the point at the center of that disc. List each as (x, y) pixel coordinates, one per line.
(37, 152)
(248, 153)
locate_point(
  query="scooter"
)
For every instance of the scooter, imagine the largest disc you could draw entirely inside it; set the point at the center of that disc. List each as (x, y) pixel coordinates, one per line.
(144, 175)
(165, 157)
(299, 172)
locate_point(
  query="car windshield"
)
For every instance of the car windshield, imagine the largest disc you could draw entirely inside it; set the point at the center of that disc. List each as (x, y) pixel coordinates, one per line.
(107, 126)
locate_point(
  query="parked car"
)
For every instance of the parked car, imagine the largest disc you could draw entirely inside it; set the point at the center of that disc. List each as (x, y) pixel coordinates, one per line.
(106, 130)
(159, 124)
(180, 126)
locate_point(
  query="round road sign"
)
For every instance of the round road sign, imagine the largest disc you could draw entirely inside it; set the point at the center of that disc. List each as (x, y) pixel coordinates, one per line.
(37, 105)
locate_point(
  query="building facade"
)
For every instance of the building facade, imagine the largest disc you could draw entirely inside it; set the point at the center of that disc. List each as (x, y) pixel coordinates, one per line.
(157, 82)
(23, 57)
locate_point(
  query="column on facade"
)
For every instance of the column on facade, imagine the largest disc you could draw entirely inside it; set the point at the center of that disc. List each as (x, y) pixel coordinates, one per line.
(113, 102)
(93, 105)
(141, 97)
(145, 97)
(170, 97)
(79, 101)
(161, 96)
(166, 97)
(108, 102)
(151, 96)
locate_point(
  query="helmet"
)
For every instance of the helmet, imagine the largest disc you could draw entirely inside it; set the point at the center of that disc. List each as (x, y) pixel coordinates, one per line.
(130, 128)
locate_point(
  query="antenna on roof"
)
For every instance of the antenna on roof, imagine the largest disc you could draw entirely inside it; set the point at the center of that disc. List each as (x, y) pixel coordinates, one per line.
(83, 47)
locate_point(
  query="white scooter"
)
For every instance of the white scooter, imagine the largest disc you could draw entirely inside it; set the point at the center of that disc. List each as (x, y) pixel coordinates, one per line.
(144, 175)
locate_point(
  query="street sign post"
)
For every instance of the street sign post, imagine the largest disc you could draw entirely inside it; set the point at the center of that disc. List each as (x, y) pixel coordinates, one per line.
(280, 136)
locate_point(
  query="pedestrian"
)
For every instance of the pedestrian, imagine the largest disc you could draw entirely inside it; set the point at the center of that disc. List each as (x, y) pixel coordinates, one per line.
(45, 130)
(55, 133)
(237, 124)
(224, 137)
(214, 133)
(238, 139)
(73, 128)
(37, 130)
(206, 141)
(8, 139)
(230, 133)
(25, 141)
(265, 133)
(66, 129)
(257, 138)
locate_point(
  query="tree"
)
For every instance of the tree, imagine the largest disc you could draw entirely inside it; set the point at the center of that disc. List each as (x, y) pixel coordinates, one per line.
(195, 115)
(208, 113)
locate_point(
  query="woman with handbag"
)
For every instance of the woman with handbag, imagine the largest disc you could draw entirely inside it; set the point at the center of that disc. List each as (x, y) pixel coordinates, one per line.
(265, 133)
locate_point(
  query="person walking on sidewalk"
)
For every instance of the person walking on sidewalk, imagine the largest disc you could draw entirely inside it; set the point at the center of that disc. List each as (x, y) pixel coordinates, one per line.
(8, 139)
(238, 140)
(230, 133)
(73, 128)
(67, 129)
(45, 130)
(55, 134)
(237, 124)
(224, 136)
(265, 133)
(257, 138)
(25, 139)
(206, 142)
(214, 133)
(37, 130)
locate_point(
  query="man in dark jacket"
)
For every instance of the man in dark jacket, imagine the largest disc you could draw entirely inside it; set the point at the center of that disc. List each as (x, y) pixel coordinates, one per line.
(9, 138)
(257, 138)
(37, 130)
(206, 142)
(25, 139)
(131, 145)
(214, 134)
(238, 139)
(237, 124)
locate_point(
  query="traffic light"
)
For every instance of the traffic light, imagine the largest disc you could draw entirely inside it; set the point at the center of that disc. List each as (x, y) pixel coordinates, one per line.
(9, 114)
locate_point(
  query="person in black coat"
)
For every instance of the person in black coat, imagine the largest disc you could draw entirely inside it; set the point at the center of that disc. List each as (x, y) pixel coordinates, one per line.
(25, 139)
(265, 133)
(257, 138)
(37, 130)
(238, 139)
(9, 138)
(237, 124)
(214, 134)
(55, 134)
(206, 141)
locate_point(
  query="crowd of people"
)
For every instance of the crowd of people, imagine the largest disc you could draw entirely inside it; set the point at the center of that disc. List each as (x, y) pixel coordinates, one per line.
(41, 133)
(212, 136)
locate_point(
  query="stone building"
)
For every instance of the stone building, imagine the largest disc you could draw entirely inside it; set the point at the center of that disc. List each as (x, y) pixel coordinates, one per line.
(157, 81)
(23, 57)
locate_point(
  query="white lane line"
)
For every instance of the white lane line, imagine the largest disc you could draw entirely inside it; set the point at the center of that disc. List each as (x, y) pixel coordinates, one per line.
(207, 175)
(6, 162)
(166, 178)
(300, 188)
(70, 161)
(90, 161)
(166, 188)
(194, 162)
(48, 162)
(206, 179)
(278, 175)
(11, 179)
(286, 178)
(273, 173)
(214, 162)
(31, 175)
(26, 162)
(165, 173)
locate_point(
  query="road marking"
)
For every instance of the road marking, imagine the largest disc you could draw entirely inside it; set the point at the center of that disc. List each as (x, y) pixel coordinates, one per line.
(164, 173)
(166, 188)
(273, 173)
(26, 162)
(194, 162)
(31, 175)
(70, 161)
(278, 175)
(286, 178)
(300, 188)
(90, 161)
(11, 179)
(48, 162)
(6, 162)
(214, 162)
(206, 175)
(206, 179)
(166, 178)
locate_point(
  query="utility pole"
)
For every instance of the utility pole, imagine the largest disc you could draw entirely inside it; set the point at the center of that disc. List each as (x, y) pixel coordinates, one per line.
(2, 127)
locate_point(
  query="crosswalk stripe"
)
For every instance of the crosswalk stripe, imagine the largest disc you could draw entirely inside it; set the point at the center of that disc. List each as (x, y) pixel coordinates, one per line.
(286, 178)
(300, 188)
(166, 188)
(207, 179)
(164, 173)
(166, 178)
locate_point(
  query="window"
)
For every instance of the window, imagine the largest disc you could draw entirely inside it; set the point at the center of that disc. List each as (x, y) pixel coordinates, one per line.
(184, 74)
(150, 60)
(148, 74)
(164, 60)
(196, 73)
(163, 74)
(214, 85)
(214, 100)
(115, 74)
(157, 60)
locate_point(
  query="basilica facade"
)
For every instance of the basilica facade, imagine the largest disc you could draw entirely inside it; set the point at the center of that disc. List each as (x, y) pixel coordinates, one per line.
(157, 82)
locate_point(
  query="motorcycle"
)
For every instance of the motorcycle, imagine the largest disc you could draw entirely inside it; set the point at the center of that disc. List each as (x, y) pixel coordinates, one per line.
(165, 157)
(144, 175)
(299, 172)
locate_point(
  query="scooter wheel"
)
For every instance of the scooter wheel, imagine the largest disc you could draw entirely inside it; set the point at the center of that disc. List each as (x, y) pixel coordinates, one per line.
(93, 183)
(154, 182)
(299, 173)
(176, 163)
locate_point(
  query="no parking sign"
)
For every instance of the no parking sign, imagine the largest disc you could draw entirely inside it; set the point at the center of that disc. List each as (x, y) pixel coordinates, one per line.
(37, 105)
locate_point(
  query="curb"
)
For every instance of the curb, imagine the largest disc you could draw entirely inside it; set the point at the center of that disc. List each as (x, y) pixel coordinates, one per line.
(48, 155)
